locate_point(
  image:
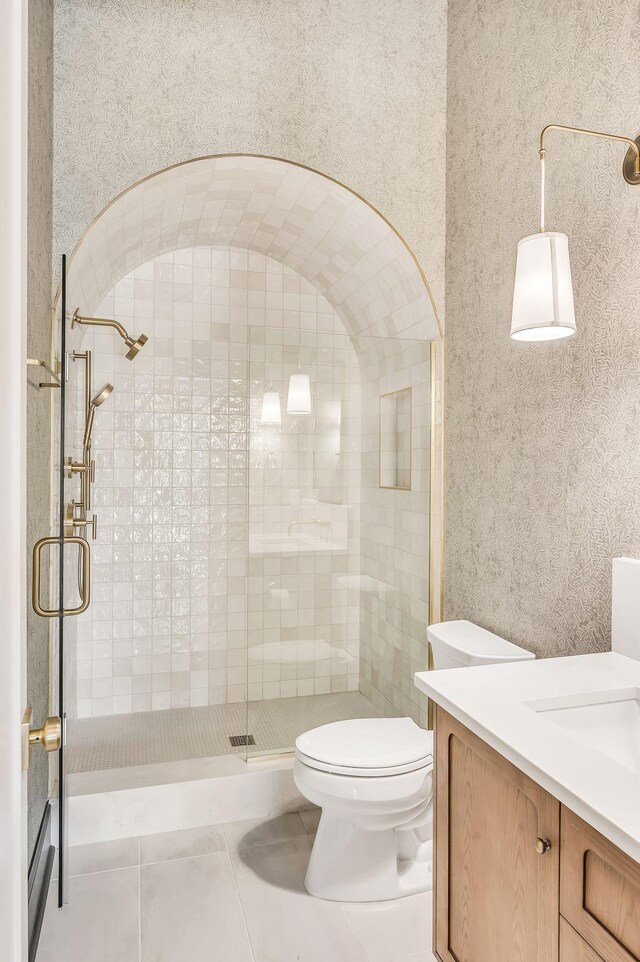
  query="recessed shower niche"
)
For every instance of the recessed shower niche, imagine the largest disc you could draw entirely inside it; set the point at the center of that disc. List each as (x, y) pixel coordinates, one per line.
(251, 578)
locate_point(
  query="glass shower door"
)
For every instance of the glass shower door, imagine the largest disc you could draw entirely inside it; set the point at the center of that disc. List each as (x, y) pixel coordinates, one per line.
(338, 530)
(303, 597)
(73, 574)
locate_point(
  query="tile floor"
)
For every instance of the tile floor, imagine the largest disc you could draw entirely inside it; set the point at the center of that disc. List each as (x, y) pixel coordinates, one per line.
(144, 738)
(226, 893)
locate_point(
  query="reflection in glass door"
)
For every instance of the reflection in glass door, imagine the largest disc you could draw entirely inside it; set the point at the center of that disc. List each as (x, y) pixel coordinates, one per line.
(338, 557)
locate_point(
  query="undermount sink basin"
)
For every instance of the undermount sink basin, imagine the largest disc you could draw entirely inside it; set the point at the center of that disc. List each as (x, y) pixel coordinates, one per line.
(608, 721)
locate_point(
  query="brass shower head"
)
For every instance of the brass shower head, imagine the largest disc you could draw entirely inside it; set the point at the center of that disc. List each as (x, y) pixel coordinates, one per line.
(134, 344)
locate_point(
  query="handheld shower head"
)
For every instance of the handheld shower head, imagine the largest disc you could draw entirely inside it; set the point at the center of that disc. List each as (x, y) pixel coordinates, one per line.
(102, 395)
(134, 345)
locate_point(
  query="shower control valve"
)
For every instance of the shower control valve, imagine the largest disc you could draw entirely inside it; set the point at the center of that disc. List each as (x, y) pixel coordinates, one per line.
(86, 523)
(72, 522)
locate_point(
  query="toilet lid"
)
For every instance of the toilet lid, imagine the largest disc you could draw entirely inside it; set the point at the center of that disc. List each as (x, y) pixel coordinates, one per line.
(367, 746)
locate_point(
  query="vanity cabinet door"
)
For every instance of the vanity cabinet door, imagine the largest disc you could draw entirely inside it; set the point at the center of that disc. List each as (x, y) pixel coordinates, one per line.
(496, 882)
(599, 891)
(573, 948)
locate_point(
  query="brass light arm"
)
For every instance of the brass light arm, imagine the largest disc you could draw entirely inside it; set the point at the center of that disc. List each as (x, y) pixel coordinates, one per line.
(630, 169)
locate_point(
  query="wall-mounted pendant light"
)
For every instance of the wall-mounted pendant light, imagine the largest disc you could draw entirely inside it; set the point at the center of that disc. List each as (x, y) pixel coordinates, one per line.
(271, 413)
(543, 294)
(299, 394)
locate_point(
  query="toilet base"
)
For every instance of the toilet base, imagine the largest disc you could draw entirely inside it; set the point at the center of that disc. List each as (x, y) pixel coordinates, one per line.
(350, 863)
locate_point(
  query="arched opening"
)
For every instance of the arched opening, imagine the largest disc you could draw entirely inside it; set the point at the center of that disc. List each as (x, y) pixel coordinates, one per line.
(248, 562)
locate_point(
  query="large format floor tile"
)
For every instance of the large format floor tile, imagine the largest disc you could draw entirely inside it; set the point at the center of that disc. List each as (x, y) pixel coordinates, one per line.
(191, 911)
(388, 931)
(263, 831)
(100, 923)
(182, 844)
(232, 893)
(417, 957)
(285, 924)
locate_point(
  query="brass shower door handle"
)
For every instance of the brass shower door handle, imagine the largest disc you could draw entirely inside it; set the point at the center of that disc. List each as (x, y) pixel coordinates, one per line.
(49, 736)
(85, 554)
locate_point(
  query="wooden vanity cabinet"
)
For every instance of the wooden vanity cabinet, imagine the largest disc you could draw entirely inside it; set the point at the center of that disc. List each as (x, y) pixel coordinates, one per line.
(518, 877)
(599, 890)
(496, 897)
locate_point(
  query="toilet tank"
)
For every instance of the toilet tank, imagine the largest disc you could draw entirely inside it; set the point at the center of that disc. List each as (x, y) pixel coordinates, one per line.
(458, 644)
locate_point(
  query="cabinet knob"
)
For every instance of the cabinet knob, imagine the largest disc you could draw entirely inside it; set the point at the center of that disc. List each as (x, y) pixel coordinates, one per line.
(542, 845)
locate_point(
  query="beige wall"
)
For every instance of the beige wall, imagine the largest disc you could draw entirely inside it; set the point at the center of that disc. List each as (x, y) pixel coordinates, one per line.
(40, 145)
(355, 88)
(542, 442)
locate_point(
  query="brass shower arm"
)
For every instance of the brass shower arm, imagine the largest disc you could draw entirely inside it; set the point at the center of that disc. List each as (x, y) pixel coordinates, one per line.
(634, 145)
(101, 322)
(134, 344)
(630, 165)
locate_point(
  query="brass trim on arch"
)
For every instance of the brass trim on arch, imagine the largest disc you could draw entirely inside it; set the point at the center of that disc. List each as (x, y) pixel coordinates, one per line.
(436, 502)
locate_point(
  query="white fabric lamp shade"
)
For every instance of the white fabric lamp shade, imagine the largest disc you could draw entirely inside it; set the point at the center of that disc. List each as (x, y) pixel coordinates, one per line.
(543, 295)
(271, 413)
(299, 396)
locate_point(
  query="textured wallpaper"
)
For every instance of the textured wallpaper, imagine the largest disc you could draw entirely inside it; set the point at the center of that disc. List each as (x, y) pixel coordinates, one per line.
(355, 88)
(39, 199)
(542, 441)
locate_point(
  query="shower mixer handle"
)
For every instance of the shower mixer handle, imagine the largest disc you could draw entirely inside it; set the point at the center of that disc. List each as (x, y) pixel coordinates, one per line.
(72, 522)
(88, 523)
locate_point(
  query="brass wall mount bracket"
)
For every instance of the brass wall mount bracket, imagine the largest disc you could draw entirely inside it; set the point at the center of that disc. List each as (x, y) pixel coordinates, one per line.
(36, 362)
(630, 170)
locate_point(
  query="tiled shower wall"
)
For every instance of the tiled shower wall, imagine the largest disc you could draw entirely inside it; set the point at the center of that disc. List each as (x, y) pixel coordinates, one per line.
(394, 601)
(167, 626)
(305, 481)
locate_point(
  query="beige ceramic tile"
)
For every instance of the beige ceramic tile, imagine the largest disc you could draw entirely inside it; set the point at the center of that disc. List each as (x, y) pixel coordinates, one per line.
(310, 820)
(191, 910)
(183, 844)
(284, 922)
(390, 930)
(100, 923)
(103, 856)
(252, 832)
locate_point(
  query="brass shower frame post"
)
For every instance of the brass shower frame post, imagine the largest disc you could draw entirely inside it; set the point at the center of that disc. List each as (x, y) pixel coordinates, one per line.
(85, 467)
(630, 167)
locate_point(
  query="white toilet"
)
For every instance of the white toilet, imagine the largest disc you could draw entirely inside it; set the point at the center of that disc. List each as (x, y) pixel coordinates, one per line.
(372, 778)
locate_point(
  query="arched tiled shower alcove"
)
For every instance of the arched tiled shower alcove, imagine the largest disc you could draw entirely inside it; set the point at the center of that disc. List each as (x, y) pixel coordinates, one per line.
(368, 299)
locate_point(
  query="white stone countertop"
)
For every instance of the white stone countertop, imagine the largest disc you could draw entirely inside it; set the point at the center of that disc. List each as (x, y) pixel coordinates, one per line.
(596, 773)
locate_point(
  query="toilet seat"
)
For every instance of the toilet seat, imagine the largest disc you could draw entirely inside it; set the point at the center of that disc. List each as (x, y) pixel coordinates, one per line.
(367, 747)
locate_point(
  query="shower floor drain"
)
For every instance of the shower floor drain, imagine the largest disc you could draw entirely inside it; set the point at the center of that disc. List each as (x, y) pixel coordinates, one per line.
(238, 741)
